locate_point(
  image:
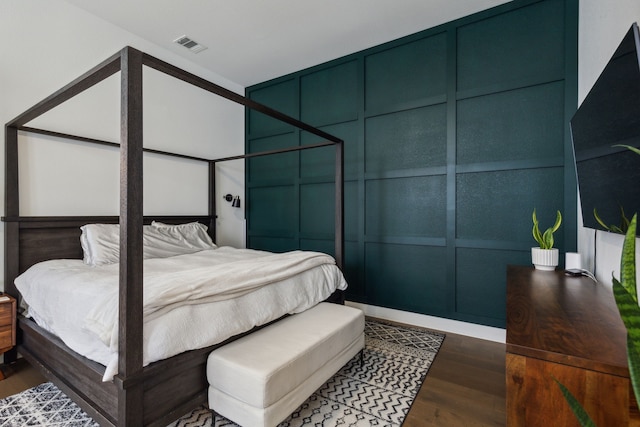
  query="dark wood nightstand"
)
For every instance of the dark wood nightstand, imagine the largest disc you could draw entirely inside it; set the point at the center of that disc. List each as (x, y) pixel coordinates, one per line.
(7, 326)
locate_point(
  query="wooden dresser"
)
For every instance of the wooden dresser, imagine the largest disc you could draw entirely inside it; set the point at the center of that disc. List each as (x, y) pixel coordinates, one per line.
(568, 328)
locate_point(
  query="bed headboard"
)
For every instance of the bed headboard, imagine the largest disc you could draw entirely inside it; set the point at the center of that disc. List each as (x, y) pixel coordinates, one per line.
(29, 240)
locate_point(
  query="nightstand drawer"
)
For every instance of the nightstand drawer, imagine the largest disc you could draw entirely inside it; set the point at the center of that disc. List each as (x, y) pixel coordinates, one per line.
(6, 337)
(6, 314)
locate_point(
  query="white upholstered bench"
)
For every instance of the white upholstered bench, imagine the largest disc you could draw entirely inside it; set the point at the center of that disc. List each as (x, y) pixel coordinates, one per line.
(260, 379)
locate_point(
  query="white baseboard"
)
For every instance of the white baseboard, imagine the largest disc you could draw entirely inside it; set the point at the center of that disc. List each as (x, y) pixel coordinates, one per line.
(431, 322)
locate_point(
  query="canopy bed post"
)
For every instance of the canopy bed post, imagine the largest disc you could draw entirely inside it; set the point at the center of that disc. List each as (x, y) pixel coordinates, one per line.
(12, 209)
(130, 393)
(212, 200)
(11, 206)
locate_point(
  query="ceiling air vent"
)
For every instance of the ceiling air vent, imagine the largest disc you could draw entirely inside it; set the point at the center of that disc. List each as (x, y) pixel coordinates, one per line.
(190, 44)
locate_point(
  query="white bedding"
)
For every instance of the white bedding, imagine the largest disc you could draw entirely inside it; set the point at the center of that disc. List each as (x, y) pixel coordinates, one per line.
(190, 301)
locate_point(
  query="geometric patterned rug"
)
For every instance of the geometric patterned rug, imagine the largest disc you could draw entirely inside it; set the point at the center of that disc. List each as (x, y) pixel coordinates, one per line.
(378, 392)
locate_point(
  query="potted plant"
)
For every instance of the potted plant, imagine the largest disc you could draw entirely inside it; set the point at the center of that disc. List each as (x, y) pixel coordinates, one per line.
(545, 257)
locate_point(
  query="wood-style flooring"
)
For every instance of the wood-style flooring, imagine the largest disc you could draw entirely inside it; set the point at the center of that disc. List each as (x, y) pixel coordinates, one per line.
(21, 376)
(465, 385)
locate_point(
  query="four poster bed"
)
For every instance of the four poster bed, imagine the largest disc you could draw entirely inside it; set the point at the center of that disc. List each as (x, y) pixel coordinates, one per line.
(142, 392)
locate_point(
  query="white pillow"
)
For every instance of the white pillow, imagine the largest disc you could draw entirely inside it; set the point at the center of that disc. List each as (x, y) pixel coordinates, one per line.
(101, 242)
(163, 240)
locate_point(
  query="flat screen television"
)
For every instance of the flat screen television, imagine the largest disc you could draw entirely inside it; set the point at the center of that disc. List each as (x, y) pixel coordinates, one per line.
(608, 175)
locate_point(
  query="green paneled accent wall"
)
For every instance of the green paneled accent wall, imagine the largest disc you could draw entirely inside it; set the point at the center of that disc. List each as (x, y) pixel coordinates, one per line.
(397, 270)
(505, 212)
(336, 87)
(534, 114)
(402, 207)
(452, 137)
(411, 72)
(410, 139)
(508, 49)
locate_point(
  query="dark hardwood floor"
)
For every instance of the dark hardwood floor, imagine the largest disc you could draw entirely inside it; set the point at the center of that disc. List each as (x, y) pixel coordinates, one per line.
(465, 385)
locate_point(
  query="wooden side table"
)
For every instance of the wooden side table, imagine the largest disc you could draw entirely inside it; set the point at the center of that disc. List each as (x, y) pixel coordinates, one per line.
(7, 327)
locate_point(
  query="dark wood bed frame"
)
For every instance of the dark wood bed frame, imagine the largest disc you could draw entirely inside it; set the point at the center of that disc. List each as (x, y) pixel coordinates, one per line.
(161, 392)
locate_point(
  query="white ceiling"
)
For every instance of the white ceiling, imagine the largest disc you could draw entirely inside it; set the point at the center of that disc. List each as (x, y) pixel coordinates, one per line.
(251, 41)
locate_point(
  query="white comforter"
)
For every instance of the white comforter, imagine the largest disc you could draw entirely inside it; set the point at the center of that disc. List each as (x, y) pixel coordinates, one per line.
(190, 301)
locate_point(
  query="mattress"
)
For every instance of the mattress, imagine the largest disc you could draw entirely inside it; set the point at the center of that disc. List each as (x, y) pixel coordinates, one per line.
(190, 301)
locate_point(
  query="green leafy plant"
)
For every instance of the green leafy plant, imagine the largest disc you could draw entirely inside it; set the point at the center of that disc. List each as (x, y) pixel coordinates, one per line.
(626, 296)
(583, 418)
(545, 240)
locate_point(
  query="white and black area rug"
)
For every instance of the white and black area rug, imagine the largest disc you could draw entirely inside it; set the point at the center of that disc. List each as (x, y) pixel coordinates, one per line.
(378, 392)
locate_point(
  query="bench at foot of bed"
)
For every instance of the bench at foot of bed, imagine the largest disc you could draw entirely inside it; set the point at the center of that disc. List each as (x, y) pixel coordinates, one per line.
(263, 377)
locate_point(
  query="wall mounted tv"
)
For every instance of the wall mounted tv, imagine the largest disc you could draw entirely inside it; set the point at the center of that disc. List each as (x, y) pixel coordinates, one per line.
(609, 176)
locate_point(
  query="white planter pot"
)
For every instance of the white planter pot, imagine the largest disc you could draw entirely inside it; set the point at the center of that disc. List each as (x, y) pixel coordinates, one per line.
(544, 259)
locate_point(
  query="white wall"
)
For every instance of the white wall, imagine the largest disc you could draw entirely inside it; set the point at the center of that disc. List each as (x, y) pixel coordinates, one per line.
(603, 24)
(48, 43)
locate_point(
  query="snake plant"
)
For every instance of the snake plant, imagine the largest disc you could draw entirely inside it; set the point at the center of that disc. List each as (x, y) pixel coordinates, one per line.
(545, 240)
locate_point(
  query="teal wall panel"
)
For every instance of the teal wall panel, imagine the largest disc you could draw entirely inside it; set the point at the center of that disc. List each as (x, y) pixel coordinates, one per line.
(407, 73)
(527, 44)
(407, 277)
(505, 213)
(475, 298)
(320, 162)
(317, 207)
(335, 87)
(271, 209)
(353, 270)
(282, 97)
(531, 122)
(414, 206)
(452, 137)
(406, 140)
(352, 204)
(279, 166)
(324, 246)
